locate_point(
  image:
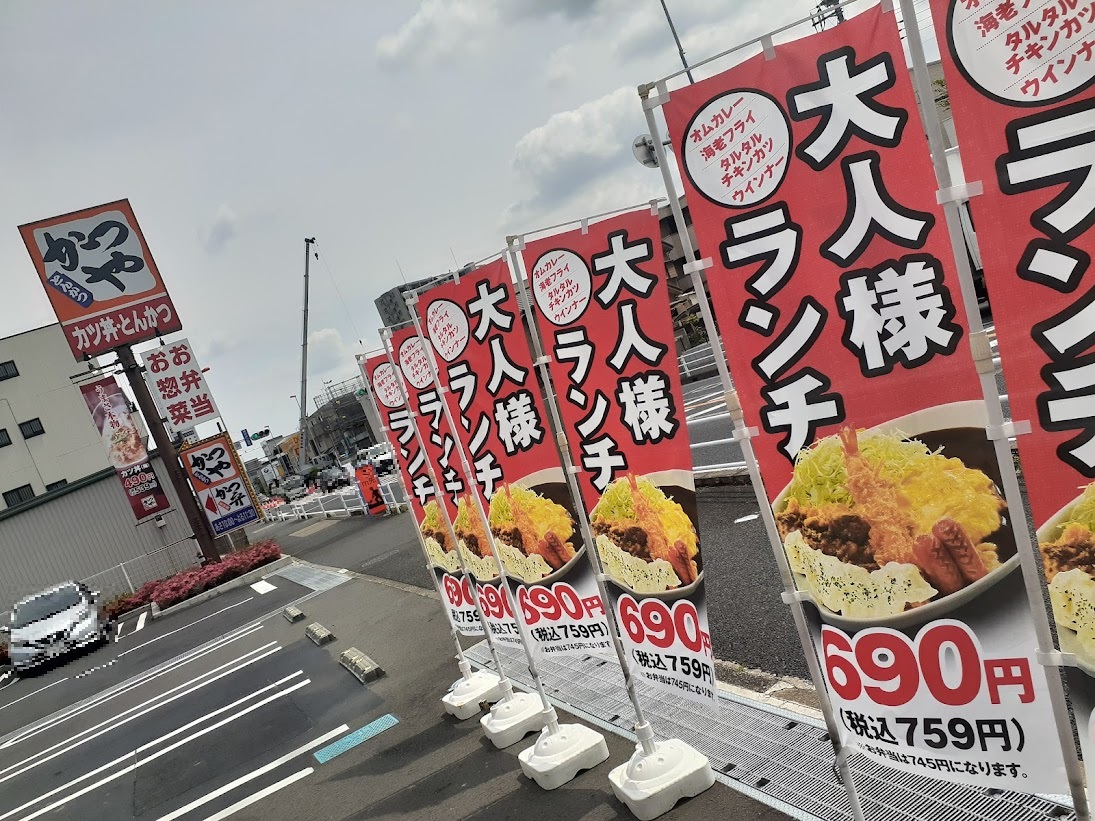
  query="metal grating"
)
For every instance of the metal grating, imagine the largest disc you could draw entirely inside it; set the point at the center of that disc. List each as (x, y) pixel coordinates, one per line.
(779, 758)
(314, 578)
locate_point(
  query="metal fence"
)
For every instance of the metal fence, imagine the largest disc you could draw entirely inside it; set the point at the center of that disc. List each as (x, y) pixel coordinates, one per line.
(128, 576)
(338, 505)
(698, 362)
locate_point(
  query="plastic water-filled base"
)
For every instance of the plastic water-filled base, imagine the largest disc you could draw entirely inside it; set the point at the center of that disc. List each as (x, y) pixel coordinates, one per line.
(512, 719)
(651, 785)
(466, 694)
(557, 757)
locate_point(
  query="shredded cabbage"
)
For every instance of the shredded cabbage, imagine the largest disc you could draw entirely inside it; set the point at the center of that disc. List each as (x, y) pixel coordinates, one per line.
(935, 486)
(1083, 512)
(616, 509)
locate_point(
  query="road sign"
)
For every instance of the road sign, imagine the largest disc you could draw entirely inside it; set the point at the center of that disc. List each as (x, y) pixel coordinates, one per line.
(100, 277)
(223, 492)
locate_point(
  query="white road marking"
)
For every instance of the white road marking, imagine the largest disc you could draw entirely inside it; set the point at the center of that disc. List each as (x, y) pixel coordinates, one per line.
(196, 621)
(36, 692)
(10, 674)
(217, 793)
(124, 687)
(262, 587)
(261, 794)
(150, 745)
(312, 528)
(747, 518)
(140, 621)
(69, 744)
(165, 750)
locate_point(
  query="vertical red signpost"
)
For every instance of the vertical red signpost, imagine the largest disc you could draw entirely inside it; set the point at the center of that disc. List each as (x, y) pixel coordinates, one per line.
(603, 312)
(477, 333)
(1020, 79)
(384, 380)
(811, 190)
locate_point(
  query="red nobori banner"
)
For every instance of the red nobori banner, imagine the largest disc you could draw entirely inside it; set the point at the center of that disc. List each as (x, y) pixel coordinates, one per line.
(1020, 82)
(811, 190)
(477, 333)
(100, 278)
(384, 381)
(602, 307)
(109, 411)
(410, 353)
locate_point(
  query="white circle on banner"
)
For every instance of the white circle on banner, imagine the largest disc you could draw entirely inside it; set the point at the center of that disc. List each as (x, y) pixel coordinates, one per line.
(737, 147)
(385, 386)
(1029, 55)
(561, 286)
(412, 361)
(447, 325)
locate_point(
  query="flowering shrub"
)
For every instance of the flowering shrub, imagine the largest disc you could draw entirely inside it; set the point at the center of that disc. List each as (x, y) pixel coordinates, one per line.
(189, 583)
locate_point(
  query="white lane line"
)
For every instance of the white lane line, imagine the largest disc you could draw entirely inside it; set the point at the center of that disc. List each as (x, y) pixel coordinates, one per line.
(140, 621)
(10, 674)
(36, 692)
(96, 701)
(165, 751)
(217, 793)
(60, 747)
(261, 794)
(747, 518)
(151, 744)
(185, 626)
(120, 630)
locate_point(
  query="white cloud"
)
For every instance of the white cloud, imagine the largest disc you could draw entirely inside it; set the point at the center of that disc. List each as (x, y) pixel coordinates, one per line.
(442, 29)
(571, 154)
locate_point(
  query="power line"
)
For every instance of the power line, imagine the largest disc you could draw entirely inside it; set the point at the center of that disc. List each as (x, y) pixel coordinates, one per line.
(345, 307)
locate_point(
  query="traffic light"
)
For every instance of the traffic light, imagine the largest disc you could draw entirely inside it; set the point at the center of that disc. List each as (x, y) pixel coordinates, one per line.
(260, 434)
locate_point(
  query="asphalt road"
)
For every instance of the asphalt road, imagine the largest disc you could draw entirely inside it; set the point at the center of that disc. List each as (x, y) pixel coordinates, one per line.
(256, 722)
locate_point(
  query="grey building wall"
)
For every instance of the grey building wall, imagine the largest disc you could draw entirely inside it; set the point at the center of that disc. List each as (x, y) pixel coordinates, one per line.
(391, 306)
(82, 531)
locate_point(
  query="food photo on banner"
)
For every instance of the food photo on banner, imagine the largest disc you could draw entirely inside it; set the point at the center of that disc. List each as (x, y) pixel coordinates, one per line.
(109, 410)
(602, 308)
(811, 188)
(1020, 85)
(477, 332)
(384, 380)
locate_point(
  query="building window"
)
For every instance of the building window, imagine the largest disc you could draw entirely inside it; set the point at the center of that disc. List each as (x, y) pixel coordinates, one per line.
(5, 440)
(18, 496)
(32, 427)
(55, 485)
(8, 370)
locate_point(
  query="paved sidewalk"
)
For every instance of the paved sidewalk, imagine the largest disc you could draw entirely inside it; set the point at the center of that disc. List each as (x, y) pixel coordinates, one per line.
(430, 766)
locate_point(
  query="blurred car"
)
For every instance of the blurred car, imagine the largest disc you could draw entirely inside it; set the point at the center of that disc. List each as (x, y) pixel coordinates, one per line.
(294, 493)
(52, 623)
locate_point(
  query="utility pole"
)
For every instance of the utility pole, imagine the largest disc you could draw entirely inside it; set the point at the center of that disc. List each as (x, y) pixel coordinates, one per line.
(677, 40)
(169, 457)
(308, 242)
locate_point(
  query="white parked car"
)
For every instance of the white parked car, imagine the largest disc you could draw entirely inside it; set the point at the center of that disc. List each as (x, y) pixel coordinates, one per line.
(51, 623)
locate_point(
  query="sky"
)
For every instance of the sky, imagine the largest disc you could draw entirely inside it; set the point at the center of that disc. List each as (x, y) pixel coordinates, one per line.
(404, 136)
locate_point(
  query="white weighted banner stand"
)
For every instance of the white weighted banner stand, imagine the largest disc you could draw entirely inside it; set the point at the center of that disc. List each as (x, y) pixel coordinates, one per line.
(659, 773)
(742, 434)
(460, 700)
(474, 686)
(997, 430)
(567, 748)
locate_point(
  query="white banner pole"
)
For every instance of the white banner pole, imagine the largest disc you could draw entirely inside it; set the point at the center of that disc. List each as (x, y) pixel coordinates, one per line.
(998, 431)
(548, 717)
(461, 659)
(743, 434)
(508, 695)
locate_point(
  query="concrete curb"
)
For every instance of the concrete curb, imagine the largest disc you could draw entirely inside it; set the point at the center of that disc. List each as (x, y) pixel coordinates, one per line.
(239, 581)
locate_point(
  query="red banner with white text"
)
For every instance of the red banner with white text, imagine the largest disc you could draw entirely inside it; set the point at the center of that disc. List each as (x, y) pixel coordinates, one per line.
(602, 306)
(1020, 80)
(812, 194)
(477, 333)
